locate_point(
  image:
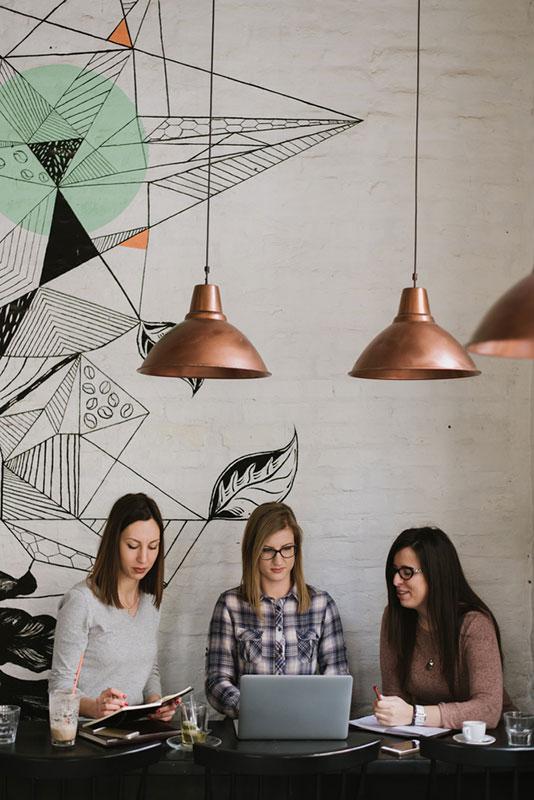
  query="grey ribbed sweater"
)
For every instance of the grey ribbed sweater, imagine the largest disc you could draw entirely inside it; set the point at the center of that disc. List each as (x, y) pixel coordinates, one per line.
(120, 650)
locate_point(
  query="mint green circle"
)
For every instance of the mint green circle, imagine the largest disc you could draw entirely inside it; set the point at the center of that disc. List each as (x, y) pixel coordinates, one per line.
(116, 124)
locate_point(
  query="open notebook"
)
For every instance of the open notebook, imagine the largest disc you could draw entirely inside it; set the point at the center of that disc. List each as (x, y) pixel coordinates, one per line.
(412, 731)
(124, 716)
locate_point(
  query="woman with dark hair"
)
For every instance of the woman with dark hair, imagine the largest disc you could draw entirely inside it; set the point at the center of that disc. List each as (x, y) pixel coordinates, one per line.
(112, 617)
(273, 622)
(440, 646)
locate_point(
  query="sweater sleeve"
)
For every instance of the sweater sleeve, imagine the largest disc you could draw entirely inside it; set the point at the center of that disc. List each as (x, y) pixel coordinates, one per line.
(482, 662)
(70, 640)
(221, 662)
(388, 664)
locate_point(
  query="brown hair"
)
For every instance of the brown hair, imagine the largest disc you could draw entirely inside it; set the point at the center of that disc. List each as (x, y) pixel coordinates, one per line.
(104, 576)
(265, 520)
(450, 598)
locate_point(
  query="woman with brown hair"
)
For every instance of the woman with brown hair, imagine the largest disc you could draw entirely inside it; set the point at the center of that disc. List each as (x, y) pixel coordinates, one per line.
(112, 617)
(273, 623)
(440, 646)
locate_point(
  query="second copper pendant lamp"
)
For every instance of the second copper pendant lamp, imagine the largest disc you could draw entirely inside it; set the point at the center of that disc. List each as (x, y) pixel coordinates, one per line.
(413, 347)
(205, 345)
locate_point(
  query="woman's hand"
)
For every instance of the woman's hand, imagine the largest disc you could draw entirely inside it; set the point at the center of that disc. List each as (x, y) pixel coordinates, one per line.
(166, 712)
(392, 711)
(109, 701)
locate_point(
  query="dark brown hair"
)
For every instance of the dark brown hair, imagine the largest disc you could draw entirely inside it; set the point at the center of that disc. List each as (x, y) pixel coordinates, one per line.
(104, 576)
(449, 598)
(266, 519)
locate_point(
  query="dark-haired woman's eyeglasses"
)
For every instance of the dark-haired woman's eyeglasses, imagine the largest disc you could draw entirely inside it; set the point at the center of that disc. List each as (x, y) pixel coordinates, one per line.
(406, 573)
(287, 551)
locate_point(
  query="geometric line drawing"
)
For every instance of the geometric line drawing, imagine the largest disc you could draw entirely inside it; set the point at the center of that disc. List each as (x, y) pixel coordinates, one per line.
(22, 501)
(13, 428)
(52, 468)
(49, 551)
(119, 146)
(22, 252)
(57, 324)
(84, 98)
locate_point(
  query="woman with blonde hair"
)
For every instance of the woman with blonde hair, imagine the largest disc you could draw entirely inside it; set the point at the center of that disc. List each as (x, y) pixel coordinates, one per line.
(273, 623)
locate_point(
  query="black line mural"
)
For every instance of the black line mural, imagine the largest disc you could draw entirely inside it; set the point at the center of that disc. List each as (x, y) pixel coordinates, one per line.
(103, 137)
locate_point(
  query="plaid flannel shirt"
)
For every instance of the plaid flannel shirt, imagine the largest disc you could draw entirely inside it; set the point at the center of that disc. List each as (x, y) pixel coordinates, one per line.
(239, 643)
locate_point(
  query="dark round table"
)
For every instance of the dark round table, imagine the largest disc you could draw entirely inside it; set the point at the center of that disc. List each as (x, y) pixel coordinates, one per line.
(32, 756)
(285, 758)
(498, 755)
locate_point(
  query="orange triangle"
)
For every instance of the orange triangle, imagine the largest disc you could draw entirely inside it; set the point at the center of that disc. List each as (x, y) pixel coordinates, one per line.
(140, 240)
(121, 35)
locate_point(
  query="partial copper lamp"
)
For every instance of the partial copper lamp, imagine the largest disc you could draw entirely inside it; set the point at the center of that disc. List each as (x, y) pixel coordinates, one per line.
(413, 347)
(507, 330)
(205, 345)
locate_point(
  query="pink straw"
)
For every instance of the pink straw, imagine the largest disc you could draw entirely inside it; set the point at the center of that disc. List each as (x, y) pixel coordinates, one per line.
(77, 676)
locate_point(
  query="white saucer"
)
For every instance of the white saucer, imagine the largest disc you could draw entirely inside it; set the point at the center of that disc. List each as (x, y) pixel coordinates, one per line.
(176, 743)
(487, 739)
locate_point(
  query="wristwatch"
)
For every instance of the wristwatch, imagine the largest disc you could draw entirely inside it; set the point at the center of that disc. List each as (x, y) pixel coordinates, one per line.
(419, 715)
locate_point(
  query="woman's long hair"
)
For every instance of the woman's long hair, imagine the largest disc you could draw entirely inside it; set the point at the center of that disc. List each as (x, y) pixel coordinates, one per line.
(449, 598)
(267, 519)
(104, 577)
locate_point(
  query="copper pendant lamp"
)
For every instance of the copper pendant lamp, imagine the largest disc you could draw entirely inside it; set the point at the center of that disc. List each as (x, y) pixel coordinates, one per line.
(507, 330)
(205, 345)
(413, 347)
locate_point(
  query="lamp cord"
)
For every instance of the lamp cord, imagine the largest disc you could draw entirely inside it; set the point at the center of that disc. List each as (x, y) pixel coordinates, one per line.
(414, 275)
(208, 199)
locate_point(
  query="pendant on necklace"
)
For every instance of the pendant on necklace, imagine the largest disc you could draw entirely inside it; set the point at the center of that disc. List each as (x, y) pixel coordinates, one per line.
(429, 664)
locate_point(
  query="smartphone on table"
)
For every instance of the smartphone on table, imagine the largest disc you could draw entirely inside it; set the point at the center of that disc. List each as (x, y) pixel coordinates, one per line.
(401, 749)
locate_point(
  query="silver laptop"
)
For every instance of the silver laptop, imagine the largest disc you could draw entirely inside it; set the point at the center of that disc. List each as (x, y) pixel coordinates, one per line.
(294, 707)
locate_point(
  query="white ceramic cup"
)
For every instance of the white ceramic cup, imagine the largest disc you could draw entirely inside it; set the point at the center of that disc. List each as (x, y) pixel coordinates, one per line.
(474, 730)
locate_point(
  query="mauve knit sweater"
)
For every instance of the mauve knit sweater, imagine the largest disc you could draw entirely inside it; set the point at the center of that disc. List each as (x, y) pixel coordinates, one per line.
(480, 692)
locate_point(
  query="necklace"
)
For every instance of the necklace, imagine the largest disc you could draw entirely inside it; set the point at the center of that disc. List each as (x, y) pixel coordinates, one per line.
(132, 606)
(430, 664)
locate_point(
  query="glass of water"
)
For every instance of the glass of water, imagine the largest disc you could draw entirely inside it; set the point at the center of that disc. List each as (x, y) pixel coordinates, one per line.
(9, 720)
(193, 723)
(519, 726)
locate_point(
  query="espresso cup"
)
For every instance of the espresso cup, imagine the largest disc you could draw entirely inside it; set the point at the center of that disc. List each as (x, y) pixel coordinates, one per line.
(474, 730)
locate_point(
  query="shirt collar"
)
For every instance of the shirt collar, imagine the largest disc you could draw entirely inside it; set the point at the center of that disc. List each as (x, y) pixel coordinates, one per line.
(292, 593)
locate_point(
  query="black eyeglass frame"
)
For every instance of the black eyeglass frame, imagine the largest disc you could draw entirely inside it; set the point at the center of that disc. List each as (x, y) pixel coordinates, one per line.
(273, 552)
(410, 570)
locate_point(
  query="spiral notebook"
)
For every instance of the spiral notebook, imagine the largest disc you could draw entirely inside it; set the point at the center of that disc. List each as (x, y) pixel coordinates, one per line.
(412, 731)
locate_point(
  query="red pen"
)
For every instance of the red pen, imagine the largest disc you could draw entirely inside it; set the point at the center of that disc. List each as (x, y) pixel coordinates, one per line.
(376, 690)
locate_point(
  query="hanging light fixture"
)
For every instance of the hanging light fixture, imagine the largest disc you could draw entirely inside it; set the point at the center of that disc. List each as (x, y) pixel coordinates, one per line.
(413, 347)
(507, 330)
(205, 345)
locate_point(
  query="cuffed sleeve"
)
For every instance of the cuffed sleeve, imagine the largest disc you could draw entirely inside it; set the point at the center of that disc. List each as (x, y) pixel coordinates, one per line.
(482, 662)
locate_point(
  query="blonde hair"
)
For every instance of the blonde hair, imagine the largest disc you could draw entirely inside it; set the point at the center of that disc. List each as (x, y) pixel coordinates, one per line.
(265, 520)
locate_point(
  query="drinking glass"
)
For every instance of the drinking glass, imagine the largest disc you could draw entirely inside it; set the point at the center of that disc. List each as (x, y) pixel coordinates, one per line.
(9, 720)
(64, 707)
(519, 726)
(193, 723)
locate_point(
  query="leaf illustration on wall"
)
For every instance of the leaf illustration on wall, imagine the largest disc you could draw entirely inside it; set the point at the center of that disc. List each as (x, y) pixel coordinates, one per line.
(252, 480)
(25, 640)
(13, 587)
(149, 334)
